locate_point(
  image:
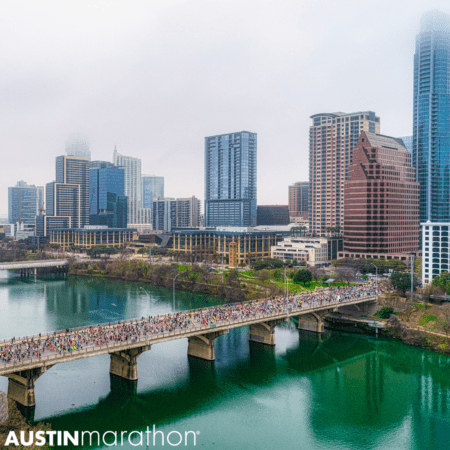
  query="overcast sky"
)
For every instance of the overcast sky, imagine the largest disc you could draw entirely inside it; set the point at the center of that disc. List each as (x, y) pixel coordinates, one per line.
(155, 77)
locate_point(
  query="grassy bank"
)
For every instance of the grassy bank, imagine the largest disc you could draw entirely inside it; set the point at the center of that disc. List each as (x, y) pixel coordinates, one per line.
(426, 325)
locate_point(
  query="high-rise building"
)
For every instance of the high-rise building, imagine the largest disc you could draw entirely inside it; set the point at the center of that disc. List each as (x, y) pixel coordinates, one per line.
(332, 138)
(107, 201)
(230, 179)
(67, 198)
(408, 142)
(299, 199)
(152, 187)
(78, 145)
(381, 208)
(170, 213)
(24, 203)
(273, 215)
(431, 129)
(133, 186)
(74, 170)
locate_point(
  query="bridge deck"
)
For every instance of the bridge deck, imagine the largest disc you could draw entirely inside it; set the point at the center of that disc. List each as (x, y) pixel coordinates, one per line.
(155, 338)
(34, 264)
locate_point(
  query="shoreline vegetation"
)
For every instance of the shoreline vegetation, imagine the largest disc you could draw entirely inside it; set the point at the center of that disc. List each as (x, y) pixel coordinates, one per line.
(422, 324)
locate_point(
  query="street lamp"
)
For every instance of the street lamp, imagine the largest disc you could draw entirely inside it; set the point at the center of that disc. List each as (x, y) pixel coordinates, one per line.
(174, 290)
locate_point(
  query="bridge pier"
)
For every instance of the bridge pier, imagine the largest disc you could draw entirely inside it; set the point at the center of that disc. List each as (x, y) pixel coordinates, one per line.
(21, 385)
(312, 322)
(264, 332)
(124, 363)
(202, 345)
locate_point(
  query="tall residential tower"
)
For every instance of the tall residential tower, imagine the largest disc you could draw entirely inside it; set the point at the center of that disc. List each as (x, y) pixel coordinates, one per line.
(230, 179)
(431, 141)
(332, 138)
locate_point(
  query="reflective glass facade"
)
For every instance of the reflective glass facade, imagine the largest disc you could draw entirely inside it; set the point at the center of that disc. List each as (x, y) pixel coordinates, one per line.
(431, 142)
(107, 201)
(230, 179)
(24, 203)
(152, 187)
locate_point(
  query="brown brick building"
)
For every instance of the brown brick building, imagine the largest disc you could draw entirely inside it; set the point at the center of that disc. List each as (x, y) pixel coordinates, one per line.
(332, 138)
(299, 199)
(381, 200)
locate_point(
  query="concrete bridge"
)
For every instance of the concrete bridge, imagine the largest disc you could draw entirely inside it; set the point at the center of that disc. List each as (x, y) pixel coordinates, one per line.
(31, 267)
(124, 354)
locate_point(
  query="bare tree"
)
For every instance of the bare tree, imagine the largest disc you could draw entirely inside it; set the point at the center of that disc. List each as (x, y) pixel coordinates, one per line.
(346, 274)
(316, 272)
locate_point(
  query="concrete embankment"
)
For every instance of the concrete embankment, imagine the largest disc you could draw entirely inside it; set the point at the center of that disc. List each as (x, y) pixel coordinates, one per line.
(3, 407)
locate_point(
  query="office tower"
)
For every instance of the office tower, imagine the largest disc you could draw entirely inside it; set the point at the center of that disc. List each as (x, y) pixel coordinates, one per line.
(431, 128)
(78, 145)
(272, 215)
(408, 141)
(107, 201)
(152, 187)
(169, 213)
(74, 170)
(299, 199)
(24, 203)
(133, 187)
(67, 198)
(230, 179)
(381, 208)
(331, 141)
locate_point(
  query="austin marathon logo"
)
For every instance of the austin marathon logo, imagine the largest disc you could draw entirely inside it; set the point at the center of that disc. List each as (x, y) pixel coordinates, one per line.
(109, 438)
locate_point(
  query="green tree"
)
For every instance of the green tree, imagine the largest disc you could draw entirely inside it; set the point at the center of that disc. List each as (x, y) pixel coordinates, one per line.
(443, 281)
(402, 282)
(303, 276)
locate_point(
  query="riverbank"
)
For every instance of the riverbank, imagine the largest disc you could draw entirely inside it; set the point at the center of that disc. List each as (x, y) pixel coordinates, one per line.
(16, 422)
(194, 279)
(418, 325)
(425, 325)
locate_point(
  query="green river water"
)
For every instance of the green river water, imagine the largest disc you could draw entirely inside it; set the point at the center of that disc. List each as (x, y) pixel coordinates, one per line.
(335, 391)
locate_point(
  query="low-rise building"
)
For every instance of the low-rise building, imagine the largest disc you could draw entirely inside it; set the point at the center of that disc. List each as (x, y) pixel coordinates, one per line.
(246, 245)
(312, 250)
(91, 236)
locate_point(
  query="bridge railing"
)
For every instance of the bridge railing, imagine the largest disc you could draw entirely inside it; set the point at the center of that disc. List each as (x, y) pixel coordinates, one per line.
(147, 338)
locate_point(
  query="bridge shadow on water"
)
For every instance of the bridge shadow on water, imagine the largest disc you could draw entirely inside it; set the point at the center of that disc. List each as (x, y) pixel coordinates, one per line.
(208, 384)
(355, 383)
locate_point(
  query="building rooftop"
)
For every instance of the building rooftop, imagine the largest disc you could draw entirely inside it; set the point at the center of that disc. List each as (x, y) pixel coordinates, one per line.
(380, 140)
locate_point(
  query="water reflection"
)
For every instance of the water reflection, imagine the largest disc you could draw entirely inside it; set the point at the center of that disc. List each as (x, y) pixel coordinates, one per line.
(310, 391)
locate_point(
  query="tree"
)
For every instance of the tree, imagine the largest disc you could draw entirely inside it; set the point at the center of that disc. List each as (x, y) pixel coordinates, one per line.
(402, 282)
(316, 272)
(303, 276)
(264, 275)
(443, 281)
(445, 323)
(430, 291)
(346, 274)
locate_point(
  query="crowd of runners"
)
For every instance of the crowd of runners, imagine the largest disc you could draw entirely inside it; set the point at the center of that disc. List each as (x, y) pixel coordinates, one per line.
(63, 343)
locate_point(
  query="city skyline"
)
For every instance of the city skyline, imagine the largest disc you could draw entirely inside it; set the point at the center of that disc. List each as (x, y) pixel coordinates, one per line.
(266, 95)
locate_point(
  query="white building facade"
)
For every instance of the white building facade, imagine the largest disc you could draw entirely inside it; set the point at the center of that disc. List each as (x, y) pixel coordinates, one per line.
(434, 250)
(312, 250)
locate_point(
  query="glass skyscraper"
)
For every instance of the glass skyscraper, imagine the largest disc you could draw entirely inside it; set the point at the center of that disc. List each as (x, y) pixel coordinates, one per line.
(78, 145)
(230, 179)
(107, 201)
(152, 187)
(24, 203)
(431, 137)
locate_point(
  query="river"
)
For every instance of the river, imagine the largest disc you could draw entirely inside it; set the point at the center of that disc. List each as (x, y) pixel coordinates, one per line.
(335, 391)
